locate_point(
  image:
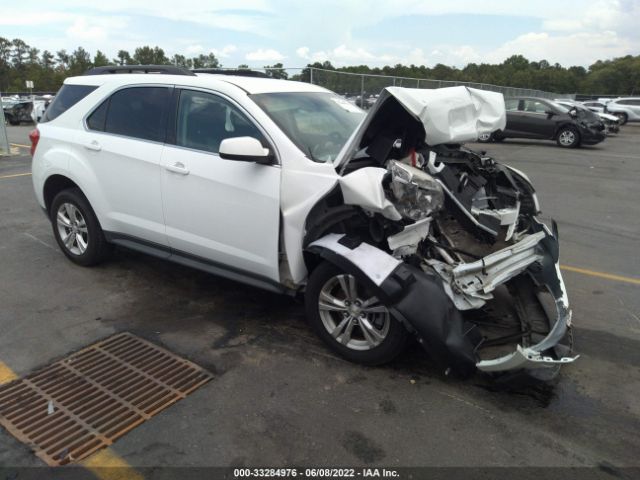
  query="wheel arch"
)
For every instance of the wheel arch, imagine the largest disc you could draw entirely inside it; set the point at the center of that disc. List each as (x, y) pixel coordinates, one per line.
(55, 184)
(566, 124)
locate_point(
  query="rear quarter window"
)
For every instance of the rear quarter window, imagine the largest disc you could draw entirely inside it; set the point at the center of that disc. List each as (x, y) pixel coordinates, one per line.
(66, 98)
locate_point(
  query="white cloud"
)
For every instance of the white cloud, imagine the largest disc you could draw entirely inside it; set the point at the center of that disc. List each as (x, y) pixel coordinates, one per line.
(573, 49)
(303, 52)
(264, 55)
(344, 55)
(225, 51)
(193, 49)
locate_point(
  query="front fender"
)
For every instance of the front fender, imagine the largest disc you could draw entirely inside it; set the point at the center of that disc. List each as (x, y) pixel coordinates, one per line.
(414, 297)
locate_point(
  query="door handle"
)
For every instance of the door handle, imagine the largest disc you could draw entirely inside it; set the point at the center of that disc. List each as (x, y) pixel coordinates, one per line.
(178, 167)
(93, 145)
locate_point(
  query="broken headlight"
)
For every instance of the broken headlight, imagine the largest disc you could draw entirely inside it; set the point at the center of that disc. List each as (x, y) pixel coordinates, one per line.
(416, 193)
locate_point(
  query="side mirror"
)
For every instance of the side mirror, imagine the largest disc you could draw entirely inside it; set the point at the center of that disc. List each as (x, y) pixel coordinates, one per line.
(550, 113)
(245, 149)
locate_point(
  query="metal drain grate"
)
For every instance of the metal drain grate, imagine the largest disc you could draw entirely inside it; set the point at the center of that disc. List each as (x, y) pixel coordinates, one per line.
(76, 406)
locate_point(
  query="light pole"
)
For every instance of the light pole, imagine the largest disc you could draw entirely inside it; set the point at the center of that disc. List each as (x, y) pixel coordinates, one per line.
(4, 140)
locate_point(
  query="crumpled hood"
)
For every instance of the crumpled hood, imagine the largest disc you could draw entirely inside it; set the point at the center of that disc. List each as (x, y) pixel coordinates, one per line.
(447, 115)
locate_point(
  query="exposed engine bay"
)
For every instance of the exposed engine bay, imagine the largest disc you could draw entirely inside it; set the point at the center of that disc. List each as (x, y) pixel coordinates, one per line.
(460, 257)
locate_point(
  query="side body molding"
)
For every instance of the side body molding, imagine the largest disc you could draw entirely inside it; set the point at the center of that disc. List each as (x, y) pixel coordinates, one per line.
(414, 297)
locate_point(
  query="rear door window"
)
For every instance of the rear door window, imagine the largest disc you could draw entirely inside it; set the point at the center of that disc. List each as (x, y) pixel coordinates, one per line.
(534, 106)
(511, 104)
(66, 98)
(138, 112)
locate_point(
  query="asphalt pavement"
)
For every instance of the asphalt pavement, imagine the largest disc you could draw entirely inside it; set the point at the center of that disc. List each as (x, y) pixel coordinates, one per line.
(280, 398)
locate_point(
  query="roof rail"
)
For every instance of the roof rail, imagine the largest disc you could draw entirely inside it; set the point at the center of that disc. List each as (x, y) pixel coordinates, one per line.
(232, 71)
(162, 69)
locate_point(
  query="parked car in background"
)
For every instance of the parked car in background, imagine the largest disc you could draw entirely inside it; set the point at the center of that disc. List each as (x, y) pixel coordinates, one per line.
(539, 118)
(627, 109)
(40, 104)
(611, 122)
(595, 106)
(18, 112)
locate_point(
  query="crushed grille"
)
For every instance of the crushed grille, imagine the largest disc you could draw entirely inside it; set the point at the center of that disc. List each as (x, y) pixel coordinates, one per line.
(71, 408)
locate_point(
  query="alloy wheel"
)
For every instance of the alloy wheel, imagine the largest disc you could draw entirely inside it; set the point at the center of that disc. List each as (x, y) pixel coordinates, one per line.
(353, 318)
(567, 138)
(72, 228)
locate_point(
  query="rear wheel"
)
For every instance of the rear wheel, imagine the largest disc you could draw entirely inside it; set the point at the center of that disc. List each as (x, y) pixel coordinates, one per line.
(350, 319)
(77, 229)
(568, 137)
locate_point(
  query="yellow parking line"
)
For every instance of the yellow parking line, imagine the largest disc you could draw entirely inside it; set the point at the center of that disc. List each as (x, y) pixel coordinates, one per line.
(608, 276)
(15, 175)
(19, 145)
(107, 465)
(6, 374)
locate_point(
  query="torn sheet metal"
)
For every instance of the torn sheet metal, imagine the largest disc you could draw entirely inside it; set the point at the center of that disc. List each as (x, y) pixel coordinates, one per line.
(453, 114)
(364, 188)
(406, 242)
(486, 274)
(445, 115)
(374, 263)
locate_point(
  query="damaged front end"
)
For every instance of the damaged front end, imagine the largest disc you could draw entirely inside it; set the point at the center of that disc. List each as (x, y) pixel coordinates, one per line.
(455, 250)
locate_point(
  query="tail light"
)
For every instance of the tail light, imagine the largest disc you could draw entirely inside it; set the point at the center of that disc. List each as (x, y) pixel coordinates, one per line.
(34, 136)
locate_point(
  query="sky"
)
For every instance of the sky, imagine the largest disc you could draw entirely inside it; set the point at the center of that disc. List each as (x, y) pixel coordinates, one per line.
(345, 32)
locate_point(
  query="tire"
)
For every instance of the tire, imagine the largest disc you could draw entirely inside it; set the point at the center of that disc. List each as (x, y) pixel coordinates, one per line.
(485, 138)
(568, 137)
(380, 339)
(623, 117)
(497, 137)
(73, 220)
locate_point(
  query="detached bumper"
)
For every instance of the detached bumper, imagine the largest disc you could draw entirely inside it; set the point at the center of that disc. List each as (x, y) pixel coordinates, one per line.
(533, 356)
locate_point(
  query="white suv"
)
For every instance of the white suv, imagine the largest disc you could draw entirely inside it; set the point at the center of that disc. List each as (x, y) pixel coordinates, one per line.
(627, 109)
(389, 228)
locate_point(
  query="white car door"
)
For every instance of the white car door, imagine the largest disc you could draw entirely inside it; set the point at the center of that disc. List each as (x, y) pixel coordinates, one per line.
(223, 212)
(122, 146)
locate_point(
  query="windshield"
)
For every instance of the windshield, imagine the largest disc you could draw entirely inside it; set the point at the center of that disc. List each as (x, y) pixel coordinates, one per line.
(318, 123)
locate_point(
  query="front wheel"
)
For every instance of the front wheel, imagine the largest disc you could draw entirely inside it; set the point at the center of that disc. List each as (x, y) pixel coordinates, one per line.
(76, 228)
(568, 137)
(622, 117)
(350, 319)
(485, 137)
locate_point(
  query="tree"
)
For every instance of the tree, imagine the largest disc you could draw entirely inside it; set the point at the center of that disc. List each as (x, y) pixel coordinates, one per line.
(149, 56)
(276, 71)
(46, 60)
(32, 56)
(62, 59)
(100, 59)
(243, 66)
(20, 53)
(205, 61)
(79, 61)
(181, 61)
(123, 58)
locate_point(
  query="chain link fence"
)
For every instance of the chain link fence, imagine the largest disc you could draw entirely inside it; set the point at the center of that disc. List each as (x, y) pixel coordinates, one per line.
(364, 88)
